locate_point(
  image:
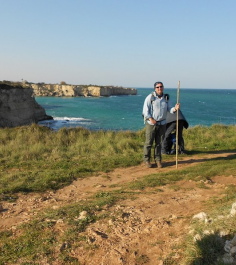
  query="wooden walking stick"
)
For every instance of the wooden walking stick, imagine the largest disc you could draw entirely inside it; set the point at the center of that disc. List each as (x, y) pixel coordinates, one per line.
(177, 127)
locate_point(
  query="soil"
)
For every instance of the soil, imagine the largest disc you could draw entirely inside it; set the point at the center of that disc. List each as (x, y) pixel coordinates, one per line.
(141, 230)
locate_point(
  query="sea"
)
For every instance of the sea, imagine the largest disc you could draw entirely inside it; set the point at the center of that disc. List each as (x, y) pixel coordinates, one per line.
(200, 107)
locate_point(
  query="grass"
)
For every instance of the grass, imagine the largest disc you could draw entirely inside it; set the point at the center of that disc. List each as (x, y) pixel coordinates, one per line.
(36, 159)
(214, 138)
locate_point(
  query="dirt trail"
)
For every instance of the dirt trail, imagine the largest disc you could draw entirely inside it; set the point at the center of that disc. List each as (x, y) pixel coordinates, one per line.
(142, 231)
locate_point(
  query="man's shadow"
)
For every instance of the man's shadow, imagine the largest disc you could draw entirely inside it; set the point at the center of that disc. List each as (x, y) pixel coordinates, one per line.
(198, 160)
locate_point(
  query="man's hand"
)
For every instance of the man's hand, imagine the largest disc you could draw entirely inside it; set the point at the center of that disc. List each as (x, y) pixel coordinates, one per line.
(152, 121)
(177, 106)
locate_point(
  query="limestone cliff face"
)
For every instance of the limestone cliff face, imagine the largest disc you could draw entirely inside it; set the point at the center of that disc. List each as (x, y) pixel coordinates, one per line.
(79, 90)
(18, 107)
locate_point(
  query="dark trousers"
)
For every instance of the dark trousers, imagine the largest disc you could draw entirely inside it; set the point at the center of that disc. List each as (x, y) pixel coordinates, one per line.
(154, 133)
(168, 141)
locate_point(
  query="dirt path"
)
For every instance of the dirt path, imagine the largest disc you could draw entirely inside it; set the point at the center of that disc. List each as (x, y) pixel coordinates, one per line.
(143, 230)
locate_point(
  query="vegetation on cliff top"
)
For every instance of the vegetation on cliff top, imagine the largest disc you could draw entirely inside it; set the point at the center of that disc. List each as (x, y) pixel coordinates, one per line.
(25, 83)
(35, 158)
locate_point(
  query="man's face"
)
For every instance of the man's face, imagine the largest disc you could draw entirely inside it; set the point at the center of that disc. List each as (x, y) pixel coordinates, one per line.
(159, 89)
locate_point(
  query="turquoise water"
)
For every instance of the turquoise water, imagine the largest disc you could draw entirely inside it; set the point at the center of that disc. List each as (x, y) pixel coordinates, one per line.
(200, 107)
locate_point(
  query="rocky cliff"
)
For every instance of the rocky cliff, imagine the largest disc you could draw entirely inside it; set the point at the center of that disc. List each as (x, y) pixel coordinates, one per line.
(59, 90)
(18, 106)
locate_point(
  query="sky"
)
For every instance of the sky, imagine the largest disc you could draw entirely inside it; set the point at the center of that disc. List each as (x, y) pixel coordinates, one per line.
(130, 43)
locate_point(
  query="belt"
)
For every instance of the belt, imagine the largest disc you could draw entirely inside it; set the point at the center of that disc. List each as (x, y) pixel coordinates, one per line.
(162, 122)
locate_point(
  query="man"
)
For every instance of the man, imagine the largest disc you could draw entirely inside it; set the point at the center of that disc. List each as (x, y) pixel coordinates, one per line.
(170, 134)
(155, 108)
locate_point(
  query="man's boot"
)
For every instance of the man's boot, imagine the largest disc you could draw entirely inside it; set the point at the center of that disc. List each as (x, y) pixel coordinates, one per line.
(148, 164)
(159, 164)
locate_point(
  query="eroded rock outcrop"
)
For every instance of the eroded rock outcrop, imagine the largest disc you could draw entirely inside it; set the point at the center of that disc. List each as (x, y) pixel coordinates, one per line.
(63, 90)
(18, 106)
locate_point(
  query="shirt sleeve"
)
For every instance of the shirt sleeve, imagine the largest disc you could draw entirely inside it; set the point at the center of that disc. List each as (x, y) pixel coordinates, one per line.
(147, 107)
(172, 110)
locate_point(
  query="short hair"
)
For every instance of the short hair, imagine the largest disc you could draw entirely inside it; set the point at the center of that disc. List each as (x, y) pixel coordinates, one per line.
(158, 82)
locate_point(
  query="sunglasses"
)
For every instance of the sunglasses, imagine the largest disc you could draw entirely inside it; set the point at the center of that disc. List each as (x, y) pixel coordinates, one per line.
(159, 86)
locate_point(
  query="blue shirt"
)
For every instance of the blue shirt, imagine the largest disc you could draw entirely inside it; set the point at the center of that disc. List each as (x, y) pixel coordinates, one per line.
(156, 108)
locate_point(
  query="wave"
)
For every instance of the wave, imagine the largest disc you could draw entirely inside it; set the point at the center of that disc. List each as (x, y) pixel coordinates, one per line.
(70, 119)
(59, 122)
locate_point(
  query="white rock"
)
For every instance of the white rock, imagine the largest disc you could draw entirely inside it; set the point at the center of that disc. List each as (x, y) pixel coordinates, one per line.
(197, 237)
(227, 246)
(83, 215)
(110, 222)
(232, 212)
(201, 216)
(233, 209)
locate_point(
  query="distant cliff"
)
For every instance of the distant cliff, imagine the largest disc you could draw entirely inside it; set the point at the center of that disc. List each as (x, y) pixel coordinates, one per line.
(18, 106)
(60, 90)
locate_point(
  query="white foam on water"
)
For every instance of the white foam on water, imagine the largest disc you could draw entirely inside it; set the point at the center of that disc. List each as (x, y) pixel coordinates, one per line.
(59, 122)
(70, 119)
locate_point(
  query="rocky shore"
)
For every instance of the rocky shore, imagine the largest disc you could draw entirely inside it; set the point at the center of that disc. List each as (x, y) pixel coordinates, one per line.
(18, 106)
(64, 90)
